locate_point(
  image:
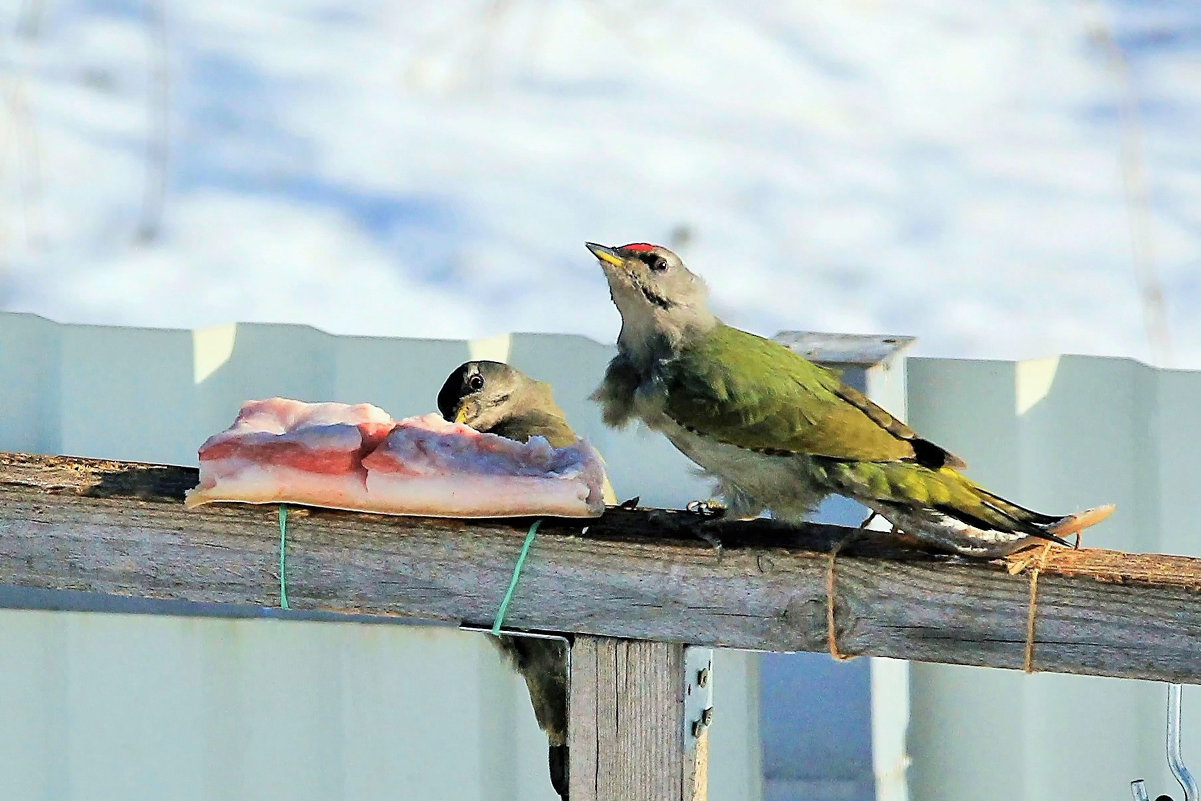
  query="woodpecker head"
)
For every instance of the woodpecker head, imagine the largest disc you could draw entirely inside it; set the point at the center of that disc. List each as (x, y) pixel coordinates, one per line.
(481, 394)
(659, 299)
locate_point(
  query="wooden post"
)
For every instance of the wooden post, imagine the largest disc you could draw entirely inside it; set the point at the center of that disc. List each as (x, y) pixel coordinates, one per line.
(629, 727)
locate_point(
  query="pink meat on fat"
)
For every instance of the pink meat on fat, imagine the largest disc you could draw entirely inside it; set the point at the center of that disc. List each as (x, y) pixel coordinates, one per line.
(430, 466)
(311, 426)
(281, 450)
(357, 457)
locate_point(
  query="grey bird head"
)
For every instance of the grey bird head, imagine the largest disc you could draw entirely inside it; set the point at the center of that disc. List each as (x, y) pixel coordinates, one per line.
(482, 393)
(660, 300)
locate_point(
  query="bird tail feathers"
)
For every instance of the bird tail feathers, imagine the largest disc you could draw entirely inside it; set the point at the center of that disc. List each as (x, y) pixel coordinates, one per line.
(945, 506)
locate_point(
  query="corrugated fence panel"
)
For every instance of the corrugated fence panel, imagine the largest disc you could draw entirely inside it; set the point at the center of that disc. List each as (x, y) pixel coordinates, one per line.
(131, 707)
(148, 707)
(29, 384)
(137, 707)
(1059, 434)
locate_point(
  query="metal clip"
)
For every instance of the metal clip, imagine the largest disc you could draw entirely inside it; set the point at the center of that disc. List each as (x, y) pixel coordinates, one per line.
(1138, 788)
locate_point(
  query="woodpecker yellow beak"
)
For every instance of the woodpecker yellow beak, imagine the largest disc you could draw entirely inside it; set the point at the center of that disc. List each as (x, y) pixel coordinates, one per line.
(605, 254)
(461, 414)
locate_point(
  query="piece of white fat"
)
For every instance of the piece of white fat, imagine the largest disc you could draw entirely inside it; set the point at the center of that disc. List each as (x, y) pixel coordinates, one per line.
(356, 457)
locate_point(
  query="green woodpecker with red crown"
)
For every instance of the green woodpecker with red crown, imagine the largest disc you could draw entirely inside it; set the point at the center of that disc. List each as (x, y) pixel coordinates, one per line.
(780, 433)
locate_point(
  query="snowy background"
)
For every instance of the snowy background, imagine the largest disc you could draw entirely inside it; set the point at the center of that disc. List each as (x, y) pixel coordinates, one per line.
(1003, 178)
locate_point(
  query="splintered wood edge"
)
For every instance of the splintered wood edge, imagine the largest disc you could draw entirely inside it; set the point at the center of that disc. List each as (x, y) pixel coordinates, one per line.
(1114, 567)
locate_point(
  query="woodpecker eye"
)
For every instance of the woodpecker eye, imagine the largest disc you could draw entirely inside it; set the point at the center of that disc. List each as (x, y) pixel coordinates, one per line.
(476, 382)
(657, 263)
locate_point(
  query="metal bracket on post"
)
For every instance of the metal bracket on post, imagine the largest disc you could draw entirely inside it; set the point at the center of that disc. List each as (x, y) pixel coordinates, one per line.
(698, 714)
(698, 693)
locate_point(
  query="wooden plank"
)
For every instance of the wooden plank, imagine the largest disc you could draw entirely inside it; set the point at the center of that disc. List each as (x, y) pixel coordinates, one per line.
(627, 721)
(120, 528)
(696, 766)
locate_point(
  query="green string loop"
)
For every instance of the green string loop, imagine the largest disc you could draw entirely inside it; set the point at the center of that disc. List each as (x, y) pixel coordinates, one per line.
(525, 550)
(283, 544)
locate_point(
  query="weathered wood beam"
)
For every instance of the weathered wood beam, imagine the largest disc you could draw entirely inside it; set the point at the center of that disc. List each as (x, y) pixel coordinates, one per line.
(120, 528)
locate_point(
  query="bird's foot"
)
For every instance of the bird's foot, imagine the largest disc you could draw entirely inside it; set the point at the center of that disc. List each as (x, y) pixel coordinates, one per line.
(867, 521)
(710, 510)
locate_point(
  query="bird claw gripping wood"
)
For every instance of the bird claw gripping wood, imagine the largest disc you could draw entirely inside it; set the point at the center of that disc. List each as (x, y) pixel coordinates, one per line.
(711, 509)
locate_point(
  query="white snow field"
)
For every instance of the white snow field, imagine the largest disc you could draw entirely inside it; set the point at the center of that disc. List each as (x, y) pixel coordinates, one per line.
(968, 173)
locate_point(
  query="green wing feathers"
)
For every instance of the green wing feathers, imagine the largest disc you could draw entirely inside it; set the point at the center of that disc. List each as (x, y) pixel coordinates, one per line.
(752, 392)
(950, 492)
(943, 489)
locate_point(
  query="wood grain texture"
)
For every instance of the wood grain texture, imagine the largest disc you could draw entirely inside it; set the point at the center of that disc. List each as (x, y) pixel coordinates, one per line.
(121, 528)
(696, 768)
(627, 720)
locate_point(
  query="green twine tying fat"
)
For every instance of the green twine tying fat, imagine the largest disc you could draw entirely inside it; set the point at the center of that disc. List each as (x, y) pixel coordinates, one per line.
(504, 604)
(283, 544)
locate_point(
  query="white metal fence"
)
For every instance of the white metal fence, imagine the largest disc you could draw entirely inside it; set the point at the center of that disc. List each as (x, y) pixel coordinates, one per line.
(133, 707)
(1060, 433)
